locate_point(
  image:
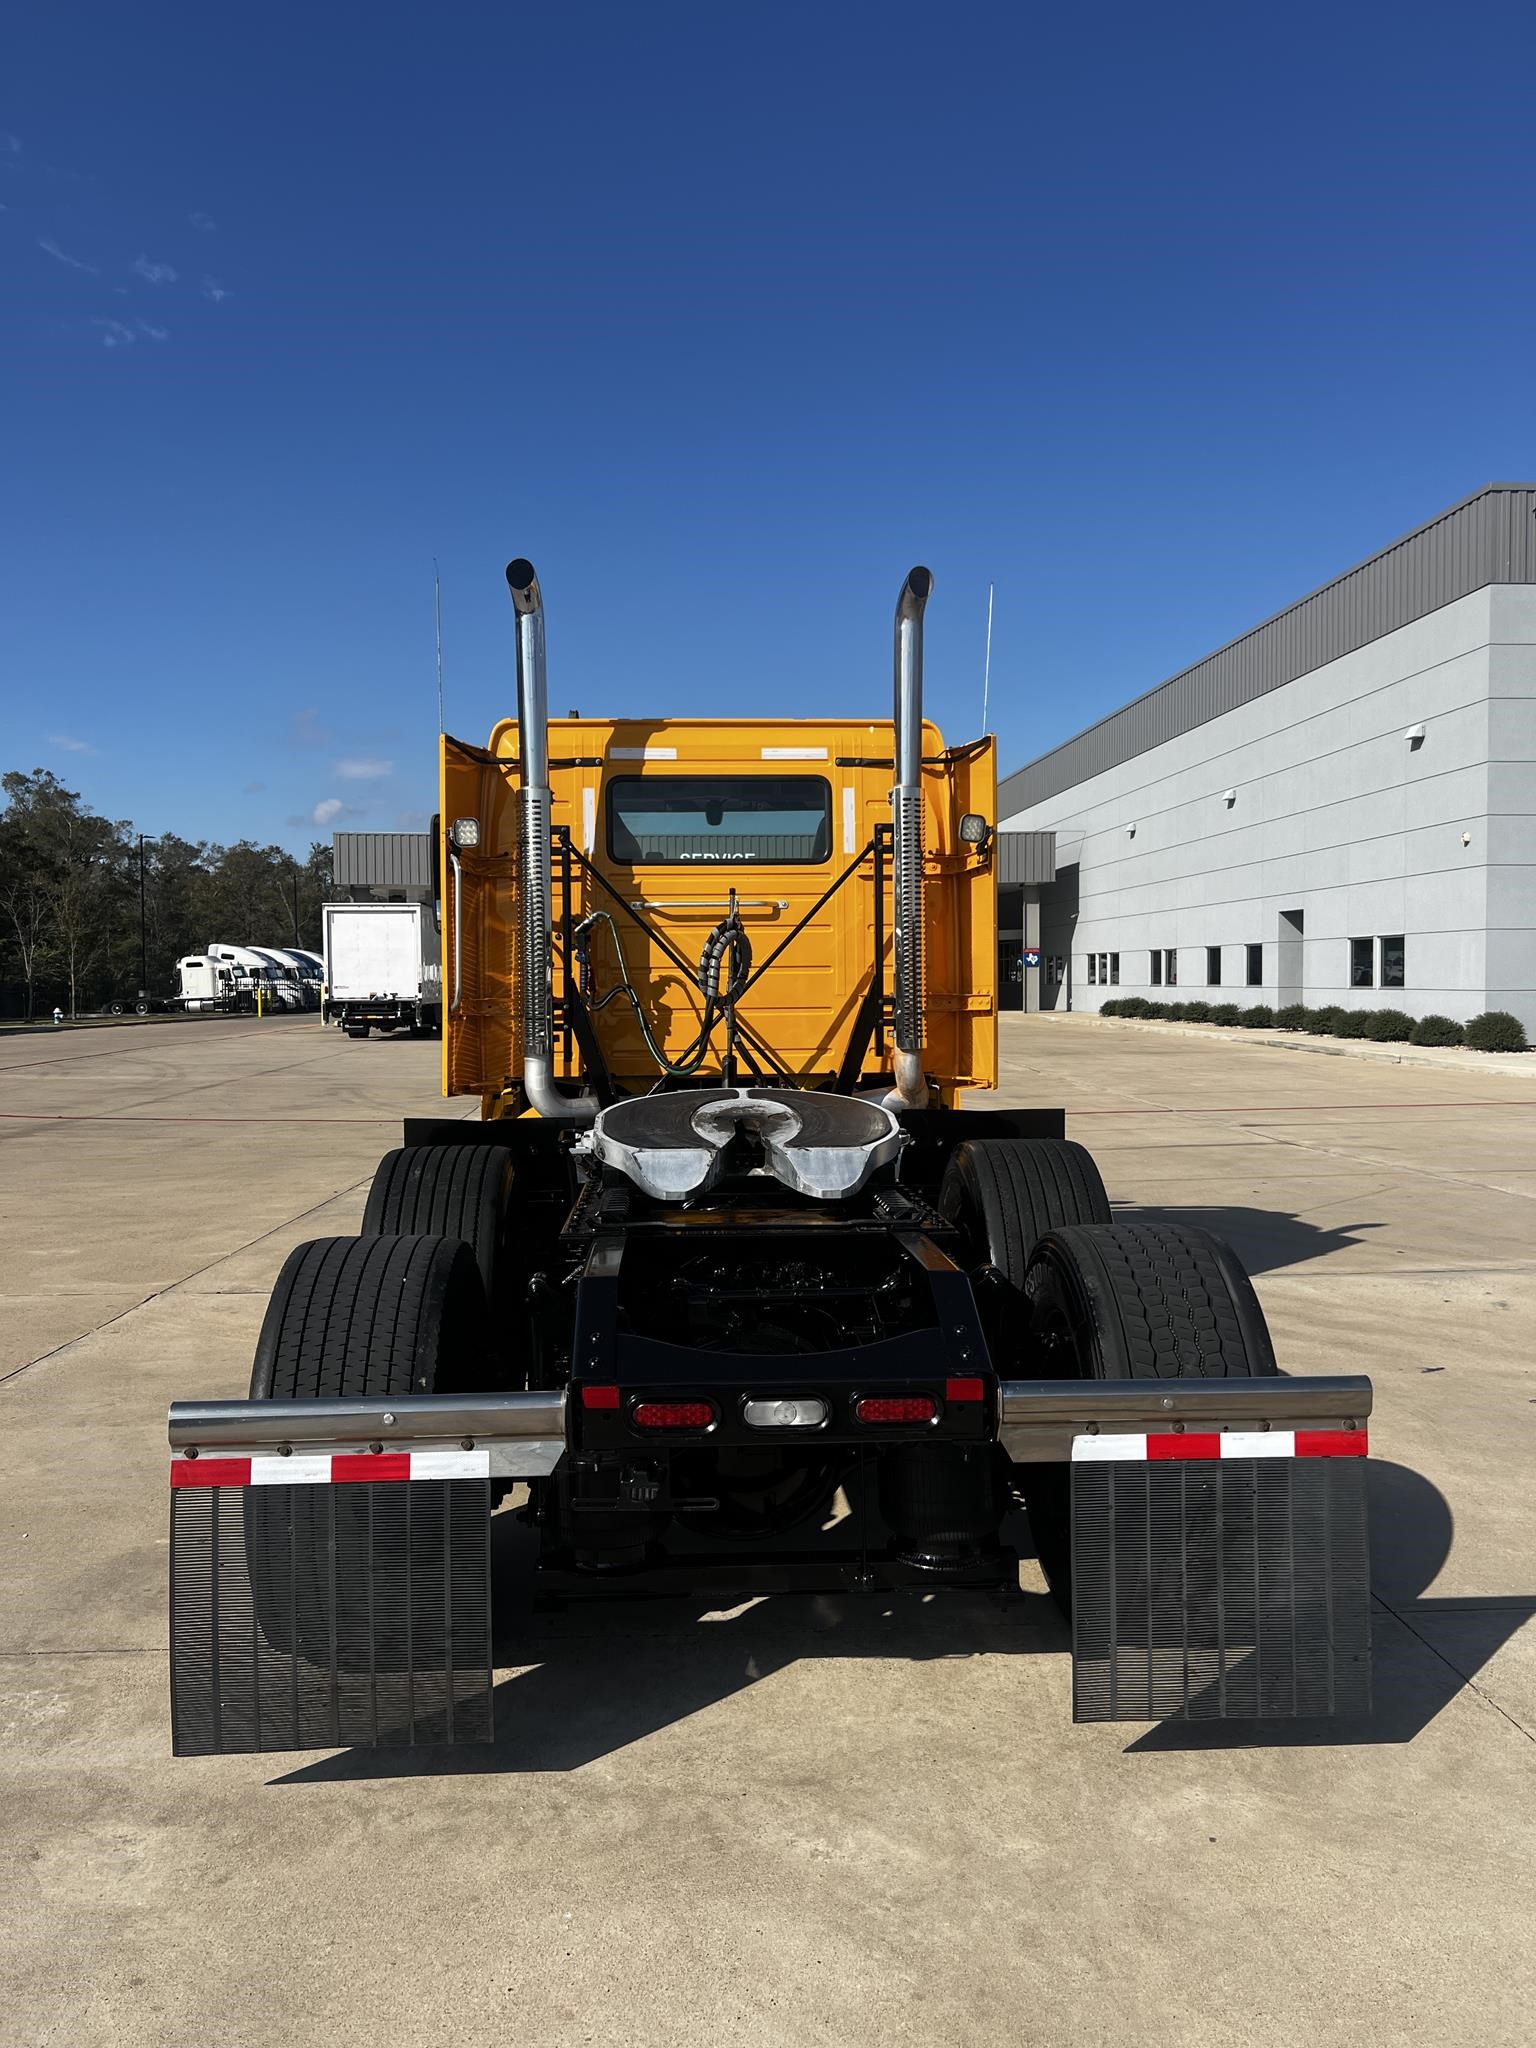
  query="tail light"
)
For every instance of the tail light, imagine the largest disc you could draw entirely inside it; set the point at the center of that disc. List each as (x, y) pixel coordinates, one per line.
(672, 1414)
(896, 1408)
(967, 1389)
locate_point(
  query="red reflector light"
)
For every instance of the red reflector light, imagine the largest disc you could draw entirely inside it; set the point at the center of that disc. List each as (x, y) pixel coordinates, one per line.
(672, 1414)
(965, 1390)
(896, 1408)
(599, 1397)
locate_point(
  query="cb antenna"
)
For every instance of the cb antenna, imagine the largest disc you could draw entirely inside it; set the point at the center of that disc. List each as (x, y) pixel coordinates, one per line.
(986, 673)
(437, 607)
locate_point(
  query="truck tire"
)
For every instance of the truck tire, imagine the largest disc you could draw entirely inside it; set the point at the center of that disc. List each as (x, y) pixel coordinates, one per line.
(462, 1191)
(1003, 1195)
(371, 1315)
(1006, 1193)
(357, 1031)
(351, 1316)
(1131, 1301)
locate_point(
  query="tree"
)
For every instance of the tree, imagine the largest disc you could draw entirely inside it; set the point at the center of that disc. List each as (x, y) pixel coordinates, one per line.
(70, 896)
(85, 894)
(24, 903)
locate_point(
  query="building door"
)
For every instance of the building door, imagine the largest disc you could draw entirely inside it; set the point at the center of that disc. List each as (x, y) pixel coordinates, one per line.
(1010, 974)
(1288, 964)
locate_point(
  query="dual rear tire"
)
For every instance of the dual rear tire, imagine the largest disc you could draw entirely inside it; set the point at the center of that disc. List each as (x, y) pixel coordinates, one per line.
(408, 1306)
(1070, 1294)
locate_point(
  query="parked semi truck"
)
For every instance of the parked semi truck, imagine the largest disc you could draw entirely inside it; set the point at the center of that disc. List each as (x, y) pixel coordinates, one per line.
(202, 983)
(731, 1288)
(383, 967)
(273, 984)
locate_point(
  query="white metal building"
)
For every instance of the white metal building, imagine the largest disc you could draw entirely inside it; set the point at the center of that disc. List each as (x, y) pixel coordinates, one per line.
(1340, 807)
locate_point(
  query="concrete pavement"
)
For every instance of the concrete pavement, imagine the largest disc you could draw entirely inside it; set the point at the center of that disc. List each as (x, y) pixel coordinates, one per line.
(814, 1821)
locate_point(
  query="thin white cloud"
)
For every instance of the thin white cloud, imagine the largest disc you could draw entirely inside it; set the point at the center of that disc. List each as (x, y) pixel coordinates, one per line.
(202, 222)
(328, 810)
(154, 273)
(63, 256)
(13, 144)
(69, 744)
(253, 788)
(154, 333)
(114, 334)
(363, 768)
(305, 729)
(212, 289)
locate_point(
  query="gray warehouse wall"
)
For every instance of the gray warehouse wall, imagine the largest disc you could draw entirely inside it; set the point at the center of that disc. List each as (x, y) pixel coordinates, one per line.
(1332, 813)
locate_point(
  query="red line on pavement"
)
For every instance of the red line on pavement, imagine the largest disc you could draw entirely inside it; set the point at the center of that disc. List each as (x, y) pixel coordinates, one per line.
(1301, 1108)
(105, 1116)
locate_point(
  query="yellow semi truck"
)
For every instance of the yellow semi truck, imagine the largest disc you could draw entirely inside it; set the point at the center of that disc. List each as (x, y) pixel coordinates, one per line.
(731, 1287)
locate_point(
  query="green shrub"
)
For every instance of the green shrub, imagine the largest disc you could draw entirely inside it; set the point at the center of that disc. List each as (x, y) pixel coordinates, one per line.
(1259, 1018)
(1153, 1010)
(1350, 1023)
(1324, 1022)
(1110, 1008)
(1388, 1027)
(1198, 1013)
(1226, 1013)
(1177, 1011)
(1436, 1031)
(1497, 1031)
(1294, 1017)
(1133, 1006)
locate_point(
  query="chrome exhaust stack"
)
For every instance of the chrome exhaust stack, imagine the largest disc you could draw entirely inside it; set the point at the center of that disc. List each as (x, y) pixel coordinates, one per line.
(535, 938)
(911, 1090)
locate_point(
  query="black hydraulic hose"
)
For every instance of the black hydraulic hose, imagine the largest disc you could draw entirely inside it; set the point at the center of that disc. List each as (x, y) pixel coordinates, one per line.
(693, 1057)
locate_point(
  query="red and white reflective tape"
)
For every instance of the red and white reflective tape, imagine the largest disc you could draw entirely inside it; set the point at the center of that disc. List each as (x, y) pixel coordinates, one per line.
(328, 1468)
(1227, 1443)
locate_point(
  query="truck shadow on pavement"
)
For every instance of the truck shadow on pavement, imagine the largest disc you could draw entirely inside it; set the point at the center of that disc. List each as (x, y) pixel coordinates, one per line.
(1424, 1651)
(596, 1677)
(1264, 1239)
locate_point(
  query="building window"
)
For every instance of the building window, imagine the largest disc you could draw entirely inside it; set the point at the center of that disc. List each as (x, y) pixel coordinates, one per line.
(1360, 963)
(1392, 962)
(1157, 969)
(1104, 968)
(1114, 970)
(1171, 968)
(1256, 966)
(1213, 966)
(1093, 967)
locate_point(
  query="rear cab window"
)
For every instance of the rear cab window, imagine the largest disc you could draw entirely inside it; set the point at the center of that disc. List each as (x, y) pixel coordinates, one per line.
(719, 820)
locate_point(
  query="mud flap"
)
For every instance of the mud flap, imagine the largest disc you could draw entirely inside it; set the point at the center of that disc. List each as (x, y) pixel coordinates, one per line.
(329, 1616)
(1219, 1588)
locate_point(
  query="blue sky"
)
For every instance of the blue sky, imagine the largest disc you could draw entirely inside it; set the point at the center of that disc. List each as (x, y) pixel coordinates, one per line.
(725, 315)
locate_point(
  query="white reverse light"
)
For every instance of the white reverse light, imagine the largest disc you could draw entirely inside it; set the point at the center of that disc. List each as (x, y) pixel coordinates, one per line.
(465, 833)
(800, 1414)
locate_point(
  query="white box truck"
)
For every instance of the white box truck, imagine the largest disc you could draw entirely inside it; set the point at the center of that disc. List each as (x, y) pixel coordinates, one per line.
(383, 966)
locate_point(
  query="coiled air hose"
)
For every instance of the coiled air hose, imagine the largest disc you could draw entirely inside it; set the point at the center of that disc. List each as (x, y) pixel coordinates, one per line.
(727, 951)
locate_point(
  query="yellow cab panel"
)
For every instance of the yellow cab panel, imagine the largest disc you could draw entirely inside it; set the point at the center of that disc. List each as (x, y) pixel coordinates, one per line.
(666, 818)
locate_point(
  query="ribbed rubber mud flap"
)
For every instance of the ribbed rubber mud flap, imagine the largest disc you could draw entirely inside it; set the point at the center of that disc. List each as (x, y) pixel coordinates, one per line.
(330, 1617)
(1220, 1589)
